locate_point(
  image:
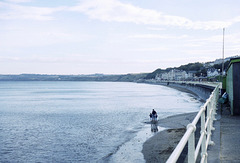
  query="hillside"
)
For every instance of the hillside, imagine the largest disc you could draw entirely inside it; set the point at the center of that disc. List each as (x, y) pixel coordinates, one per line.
(199, 69)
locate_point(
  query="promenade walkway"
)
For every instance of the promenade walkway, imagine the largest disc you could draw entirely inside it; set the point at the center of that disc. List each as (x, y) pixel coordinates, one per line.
(226, 138)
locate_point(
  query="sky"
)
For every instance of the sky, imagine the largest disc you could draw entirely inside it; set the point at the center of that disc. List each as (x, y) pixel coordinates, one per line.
(114, 36)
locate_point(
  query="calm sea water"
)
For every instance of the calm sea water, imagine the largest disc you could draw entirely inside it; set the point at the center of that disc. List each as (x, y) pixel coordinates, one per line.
(81, 121)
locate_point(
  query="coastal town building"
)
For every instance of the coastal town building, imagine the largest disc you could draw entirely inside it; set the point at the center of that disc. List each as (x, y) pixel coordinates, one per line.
(178, 75)
(208, 71)
(173, 75)
(212, 72)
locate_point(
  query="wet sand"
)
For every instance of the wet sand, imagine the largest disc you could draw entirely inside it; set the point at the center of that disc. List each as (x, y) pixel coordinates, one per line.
(159, 147)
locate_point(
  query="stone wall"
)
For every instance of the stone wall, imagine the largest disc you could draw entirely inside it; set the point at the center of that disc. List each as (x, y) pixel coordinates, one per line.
(201, 90)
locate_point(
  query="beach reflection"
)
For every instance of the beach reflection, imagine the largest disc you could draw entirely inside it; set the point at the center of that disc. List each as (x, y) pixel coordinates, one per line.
(154, 127)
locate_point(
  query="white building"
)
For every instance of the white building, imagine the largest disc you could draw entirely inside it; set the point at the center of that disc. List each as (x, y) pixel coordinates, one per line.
(172, 75)
(212, 72)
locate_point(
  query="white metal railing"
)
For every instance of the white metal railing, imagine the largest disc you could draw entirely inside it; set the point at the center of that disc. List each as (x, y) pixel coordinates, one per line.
(206, 132)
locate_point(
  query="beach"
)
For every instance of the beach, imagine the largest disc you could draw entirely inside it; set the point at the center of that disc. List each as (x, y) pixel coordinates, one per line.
(159, 147)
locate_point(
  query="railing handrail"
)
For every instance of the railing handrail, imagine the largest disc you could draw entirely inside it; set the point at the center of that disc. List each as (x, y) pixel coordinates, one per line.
(206, 127)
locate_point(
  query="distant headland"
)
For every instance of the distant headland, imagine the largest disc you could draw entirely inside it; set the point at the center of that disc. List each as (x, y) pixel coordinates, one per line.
(191, 71)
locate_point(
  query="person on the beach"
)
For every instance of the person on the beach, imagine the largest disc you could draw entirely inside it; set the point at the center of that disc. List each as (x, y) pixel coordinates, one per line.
(154, 115)
(150, 115)
(154, 112)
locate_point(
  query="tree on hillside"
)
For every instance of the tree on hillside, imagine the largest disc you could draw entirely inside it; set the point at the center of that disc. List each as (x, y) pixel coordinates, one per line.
(191, 67)
(219, 66)
(198, 68)
(154, 73)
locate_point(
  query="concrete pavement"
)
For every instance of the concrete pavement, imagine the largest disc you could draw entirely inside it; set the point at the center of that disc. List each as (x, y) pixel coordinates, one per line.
(226, 138)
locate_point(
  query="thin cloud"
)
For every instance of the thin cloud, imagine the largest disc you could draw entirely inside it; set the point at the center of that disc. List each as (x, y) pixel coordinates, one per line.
(109, 11)
(158, 49)
(7, 59)
(17, 11)
(156, 29)
(19, 1)
(229, 38)
(114, 10)
(157, 36)
(27, 38)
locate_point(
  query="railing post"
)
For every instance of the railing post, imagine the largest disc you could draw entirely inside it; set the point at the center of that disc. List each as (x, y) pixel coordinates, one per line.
(214, 108)
(191, 148)
(216, 94)
(209, 126)
(191, 144)
(203, 131)
(212, 113)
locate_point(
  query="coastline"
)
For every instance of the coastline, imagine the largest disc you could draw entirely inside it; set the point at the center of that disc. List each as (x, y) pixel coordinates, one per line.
(159, 147)
(181, 89)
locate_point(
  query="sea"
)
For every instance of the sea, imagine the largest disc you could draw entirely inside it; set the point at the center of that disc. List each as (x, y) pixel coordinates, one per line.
(71, 121)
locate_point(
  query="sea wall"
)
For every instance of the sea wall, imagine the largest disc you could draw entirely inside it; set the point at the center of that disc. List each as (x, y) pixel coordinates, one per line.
(202, 90)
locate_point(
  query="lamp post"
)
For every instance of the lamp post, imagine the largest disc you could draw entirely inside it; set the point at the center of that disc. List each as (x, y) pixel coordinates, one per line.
(223, 53)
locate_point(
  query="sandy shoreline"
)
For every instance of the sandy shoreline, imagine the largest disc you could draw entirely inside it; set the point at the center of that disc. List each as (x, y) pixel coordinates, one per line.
(159, 147)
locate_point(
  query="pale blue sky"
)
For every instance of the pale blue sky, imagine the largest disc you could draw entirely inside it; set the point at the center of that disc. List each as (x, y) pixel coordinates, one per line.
(114, 36)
